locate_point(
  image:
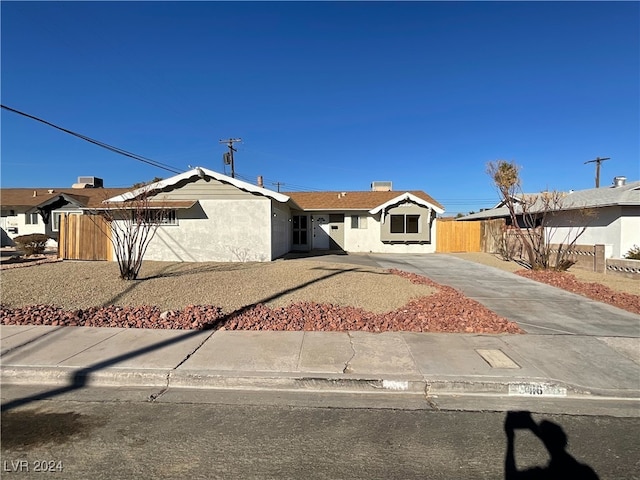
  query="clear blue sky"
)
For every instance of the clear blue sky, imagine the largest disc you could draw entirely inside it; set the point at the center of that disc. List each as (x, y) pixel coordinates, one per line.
(326, 95)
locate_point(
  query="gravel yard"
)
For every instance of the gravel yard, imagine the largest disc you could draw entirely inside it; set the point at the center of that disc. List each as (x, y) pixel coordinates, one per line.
(280, 295)
(171, 285)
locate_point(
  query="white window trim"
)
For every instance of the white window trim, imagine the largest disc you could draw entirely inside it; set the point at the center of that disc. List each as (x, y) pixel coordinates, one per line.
(30, 217)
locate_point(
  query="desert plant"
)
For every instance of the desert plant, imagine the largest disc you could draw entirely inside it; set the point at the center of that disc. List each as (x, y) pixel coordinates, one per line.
(633, 253)
(32, 244)
(133, 224)
(534, 220)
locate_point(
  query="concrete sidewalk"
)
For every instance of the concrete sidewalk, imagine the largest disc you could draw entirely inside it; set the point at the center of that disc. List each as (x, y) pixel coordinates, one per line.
(426, 364)
(575, 348)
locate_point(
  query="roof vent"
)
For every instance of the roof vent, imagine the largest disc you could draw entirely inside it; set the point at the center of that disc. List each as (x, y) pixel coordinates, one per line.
(381, 186)
(619, 181)
(88, 182)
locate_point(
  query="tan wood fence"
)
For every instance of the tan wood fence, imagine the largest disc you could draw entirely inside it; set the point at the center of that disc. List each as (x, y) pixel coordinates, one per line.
(456, 237)
(84, 237)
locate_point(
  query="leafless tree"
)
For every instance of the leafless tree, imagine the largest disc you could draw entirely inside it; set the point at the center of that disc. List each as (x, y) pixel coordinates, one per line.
(133, 224)
(535, 220)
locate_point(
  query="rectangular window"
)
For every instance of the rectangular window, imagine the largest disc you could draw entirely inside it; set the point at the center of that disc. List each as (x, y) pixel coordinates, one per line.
(397, 223)
(162, 217)
(55, 221)
(412, 222)
(169, 217)
(358, 222)
(405, 224)
(31, 218)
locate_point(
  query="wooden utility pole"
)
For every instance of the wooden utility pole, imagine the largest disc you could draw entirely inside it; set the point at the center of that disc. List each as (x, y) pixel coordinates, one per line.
(228, 156)
(278, 185)
(598, 161)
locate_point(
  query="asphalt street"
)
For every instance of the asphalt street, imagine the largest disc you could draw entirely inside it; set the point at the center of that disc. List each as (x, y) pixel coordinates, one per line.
(250, 437)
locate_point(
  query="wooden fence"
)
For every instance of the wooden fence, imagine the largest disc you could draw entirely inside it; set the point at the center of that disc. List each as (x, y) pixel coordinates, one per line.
(84, 237)
(455, 237)
(462, 237)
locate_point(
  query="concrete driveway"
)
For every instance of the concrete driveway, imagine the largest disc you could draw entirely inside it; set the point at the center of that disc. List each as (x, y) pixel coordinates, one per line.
(536, 307)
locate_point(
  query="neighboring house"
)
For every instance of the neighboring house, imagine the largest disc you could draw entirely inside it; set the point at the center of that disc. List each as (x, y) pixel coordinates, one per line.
(209, 216)
(615, 219)
(38, 210)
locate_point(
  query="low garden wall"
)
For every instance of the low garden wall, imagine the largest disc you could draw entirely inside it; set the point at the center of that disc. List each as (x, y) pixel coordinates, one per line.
(593, 258)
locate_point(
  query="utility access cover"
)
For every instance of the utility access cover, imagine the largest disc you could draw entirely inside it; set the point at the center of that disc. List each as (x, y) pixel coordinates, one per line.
(497, 359)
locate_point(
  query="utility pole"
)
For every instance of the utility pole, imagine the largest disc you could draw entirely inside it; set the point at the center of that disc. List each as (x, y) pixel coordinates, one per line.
(228, 156)
(598, 161)
(278, 185)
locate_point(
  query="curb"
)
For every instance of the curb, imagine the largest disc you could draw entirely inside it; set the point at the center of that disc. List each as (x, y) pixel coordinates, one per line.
(75, 377)
(295, 381)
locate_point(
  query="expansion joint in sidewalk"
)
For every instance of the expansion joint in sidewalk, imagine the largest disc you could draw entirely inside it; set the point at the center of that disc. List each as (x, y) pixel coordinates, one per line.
(429, 399)
(347, 366)
(154, 396)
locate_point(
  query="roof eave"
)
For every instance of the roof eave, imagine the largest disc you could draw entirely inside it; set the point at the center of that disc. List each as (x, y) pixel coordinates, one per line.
(200, 172)
(404, 197)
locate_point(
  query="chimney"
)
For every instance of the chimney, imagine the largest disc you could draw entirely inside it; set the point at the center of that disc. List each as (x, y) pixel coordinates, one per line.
(619, 181)
(381, 186)
(35, 193)
(260, 181)
(88, 182)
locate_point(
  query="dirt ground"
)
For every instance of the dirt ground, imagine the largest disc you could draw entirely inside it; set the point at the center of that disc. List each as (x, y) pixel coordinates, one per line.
(172, 285)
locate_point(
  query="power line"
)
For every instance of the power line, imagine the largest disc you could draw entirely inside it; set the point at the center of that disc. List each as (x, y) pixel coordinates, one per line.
(111, 148)
(228, 157)
(277, 184)
(598, 161)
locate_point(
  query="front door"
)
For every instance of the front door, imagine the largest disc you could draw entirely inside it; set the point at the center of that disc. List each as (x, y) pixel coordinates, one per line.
(321, 236)
(336, 231)
(300, 232)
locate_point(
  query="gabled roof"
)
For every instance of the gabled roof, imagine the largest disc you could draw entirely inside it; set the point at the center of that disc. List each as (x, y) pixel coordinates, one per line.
(628, 194)
(31, 198)
(625, 195)
(355, 200)
(405, 197)
(192, 175)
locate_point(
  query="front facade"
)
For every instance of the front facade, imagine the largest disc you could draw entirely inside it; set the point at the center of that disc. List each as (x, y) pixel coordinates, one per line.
(368, 222)
(208, 216)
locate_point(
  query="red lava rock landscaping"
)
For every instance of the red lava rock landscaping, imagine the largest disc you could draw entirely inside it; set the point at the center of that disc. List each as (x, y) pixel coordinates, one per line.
(447, 310)
(594, 291)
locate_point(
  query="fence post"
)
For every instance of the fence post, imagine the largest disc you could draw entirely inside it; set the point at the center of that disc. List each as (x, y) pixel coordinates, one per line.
(599, 262)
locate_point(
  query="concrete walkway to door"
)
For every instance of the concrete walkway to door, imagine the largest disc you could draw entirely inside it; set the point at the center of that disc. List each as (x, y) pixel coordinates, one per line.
(537, 308)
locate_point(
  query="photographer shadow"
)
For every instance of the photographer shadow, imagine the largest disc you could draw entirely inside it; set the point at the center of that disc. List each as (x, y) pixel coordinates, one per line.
(561, 464)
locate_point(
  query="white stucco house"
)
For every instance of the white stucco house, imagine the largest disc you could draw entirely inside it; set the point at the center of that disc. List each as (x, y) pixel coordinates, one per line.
(614, 220)
(213, 217)
(208, 216)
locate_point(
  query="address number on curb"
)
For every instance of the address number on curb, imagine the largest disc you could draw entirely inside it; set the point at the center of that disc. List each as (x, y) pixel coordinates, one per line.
(537, 390)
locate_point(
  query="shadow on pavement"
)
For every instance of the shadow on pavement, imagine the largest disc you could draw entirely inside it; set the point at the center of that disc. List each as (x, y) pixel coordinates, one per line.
(82, 376)
(561, 465)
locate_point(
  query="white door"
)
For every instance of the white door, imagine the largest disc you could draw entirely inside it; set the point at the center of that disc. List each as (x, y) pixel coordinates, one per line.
(321, 232)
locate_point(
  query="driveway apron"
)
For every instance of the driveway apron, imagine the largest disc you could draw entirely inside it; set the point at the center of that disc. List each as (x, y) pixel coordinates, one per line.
(536, 307)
